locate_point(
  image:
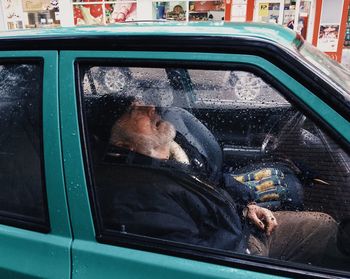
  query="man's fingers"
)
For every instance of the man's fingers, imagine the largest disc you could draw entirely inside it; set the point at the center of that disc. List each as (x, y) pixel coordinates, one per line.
(271, 224)
(262, 218)
(255, 220)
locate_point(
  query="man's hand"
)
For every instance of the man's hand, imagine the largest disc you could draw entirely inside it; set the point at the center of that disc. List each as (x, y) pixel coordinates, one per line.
(262, 218)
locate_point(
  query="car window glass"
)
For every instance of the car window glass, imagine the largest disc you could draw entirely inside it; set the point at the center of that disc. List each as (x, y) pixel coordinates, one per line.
(182, 168)
(129, 82)
(22, 193)
(232, 88)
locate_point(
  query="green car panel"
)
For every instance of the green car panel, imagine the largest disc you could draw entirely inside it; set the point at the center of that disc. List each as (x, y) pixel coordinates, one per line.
(27, 254)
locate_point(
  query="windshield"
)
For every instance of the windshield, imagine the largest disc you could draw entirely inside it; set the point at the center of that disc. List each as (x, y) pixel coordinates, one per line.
(327, 66)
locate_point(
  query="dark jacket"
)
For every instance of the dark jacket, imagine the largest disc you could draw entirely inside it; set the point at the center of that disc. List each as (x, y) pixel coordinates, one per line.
(155, 198)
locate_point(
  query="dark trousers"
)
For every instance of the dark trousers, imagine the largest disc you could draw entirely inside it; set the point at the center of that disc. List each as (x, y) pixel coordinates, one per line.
(304, 237)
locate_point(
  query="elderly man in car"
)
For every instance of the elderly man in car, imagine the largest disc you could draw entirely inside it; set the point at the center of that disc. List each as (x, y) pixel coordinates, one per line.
(170, 202)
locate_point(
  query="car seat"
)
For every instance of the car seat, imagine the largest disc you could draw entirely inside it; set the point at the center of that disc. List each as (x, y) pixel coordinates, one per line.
(198, 142)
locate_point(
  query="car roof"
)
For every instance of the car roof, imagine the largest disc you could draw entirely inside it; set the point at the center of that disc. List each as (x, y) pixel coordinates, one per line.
(273, 33)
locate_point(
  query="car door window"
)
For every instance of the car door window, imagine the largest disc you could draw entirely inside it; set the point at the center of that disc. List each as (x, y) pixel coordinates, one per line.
(21, 177)
(233, 138)
(232, 88)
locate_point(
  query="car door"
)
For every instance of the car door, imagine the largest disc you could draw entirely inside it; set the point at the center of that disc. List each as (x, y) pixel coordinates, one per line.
(99, 249)
(35, 233)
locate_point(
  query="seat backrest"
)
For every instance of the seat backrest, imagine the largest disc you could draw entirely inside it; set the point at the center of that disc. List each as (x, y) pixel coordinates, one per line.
(199, 137)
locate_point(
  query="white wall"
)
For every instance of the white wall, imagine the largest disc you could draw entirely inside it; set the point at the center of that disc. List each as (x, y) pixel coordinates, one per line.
(144, 10)
(2, 19)
(66, 13)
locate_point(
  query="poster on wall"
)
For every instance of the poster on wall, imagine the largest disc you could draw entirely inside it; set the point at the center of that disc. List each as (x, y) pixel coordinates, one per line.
(35, 5)
(120, 12)
(91, 14)
(263, 9)
(175, 10)
(239, 10)
(13, 14)
(328, 37)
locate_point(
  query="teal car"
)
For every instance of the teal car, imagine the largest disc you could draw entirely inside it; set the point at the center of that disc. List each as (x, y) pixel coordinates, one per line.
(252, 94)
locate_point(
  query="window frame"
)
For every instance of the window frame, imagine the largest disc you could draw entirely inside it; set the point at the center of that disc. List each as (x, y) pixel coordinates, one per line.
(159, 60)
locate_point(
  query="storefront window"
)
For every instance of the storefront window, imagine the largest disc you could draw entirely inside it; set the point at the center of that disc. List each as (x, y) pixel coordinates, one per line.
(289, 13)
(297, 15)
(193, 10)
(20, 14)
(13, 14)
(175, 10)
(206, 10)
(239, 10)
(347, 34)
(103, 11)
(267, 11)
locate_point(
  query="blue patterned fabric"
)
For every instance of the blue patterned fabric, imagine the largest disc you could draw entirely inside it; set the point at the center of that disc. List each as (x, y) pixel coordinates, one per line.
(268, 184)
(272, 185)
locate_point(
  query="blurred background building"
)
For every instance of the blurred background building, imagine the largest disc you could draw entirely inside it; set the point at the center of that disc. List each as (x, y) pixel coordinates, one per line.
(324, 23)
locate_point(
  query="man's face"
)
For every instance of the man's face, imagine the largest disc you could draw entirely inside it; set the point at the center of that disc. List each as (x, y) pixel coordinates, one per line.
(146, 132)
(143, 119)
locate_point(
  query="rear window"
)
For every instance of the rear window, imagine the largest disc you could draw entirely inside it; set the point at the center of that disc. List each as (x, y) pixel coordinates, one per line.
(22, 201)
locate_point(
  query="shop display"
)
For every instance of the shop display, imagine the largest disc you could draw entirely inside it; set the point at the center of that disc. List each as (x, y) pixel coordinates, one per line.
(347, 33)
(35, 5)
(13, 14)
(304, 15)
(104, 13)
(267, 11)
(170, 10)
(328, 37)
(206, 10)
(289, 15)
(197, 10)
(239, 10)
(21, 14)
(87, 14)
(120, 12)
(294, 14)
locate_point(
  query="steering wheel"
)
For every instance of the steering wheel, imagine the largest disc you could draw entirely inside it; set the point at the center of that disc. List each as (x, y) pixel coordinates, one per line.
(277, 135)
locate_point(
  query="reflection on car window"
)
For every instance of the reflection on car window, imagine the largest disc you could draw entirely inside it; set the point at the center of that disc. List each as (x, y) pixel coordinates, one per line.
(232, 88)
(129, 82)
(22, 199)
(188, 169)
